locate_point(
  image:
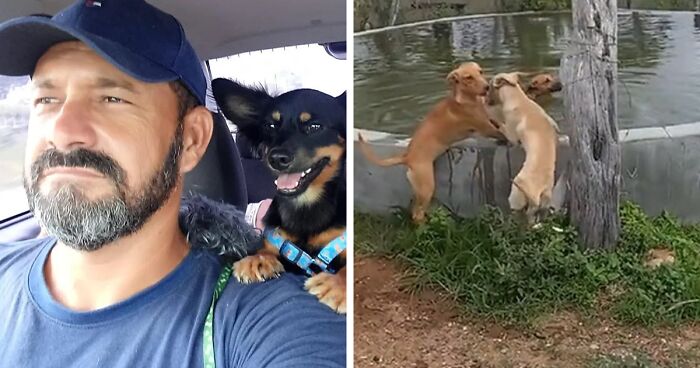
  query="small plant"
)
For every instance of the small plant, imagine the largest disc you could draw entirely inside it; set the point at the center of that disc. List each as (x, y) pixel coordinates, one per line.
(640, 359)
(496, 268)
(628, 361)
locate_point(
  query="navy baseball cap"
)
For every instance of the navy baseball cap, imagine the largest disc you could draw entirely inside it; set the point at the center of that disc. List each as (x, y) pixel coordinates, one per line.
(141, 40)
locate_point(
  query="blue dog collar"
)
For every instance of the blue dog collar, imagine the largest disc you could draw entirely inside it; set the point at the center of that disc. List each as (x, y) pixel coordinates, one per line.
(303, 260)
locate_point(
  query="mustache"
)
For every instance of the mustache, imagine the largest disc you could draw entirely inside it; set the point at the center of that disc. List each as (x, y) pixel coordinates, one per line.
(80, 157)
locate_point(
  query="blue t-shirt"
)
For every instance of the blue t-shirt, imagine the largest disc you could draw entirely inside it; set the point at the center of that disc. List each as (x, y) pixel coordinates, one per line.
(271, 324)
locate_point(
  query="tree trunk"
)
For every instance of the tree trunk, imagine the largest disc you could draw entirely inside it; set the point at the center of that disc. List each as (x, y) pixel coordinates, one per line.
(396, 6)
(589, 75)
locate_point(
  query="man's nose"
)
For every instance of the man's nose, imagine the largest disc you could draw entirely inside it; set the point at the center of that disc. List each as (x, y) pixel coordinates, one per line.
(70, 127)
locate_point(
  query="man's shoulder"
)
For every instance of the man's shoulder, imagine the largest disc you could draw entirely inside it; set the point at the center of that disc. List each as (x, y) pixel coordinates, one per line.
(279, 318)
(286, 292)
(17, 257)
(11, 252)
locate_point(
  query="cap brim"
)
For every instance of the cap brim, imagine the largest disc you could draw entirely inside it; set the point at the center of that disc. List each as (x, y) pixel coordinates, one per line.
(24, 40)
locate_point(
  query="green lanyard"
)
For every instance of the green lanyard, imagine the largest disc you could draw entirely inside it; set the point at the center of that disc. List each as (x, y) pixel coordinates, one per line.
(209, 323)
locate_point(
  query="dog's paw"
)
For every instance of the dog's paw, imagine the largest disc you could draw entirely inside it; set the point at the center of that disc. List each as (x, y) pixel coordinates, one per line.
(418, 217)
(330, 289)
(257, 268)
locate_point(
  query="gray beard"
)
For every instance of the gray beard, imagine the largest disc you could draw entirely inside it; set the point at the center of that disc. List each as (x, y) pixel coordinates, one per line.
(80, 223)
(88, 225)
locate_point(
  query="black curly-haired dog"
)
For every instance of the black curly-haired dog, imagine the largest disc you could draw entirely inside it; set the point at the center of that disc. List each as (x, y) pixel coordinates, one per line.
(301, 136)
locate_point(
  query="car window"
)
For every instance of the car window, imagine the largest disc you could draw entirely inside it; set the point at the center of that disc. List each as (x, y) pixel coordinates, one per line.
(284, 69)
(14, 116)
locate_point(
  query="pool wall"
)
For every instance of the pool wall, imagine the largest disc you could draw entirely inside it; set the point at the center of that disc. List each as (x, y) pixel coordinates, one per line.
(660, 170)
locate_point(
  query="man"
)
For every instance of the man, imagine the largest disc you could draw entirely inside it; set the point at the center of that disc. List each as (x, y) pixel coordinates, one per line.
(117, 118)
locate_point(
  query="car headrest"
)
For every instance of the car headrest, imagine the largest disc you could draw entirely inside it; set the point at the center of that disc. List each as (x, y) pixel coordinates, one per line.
(245, 148)
(219, 175)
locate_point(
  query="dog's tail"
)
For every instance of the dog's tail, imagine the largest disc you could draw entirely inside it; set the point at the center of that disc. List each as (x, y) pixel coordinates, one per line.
(372, 157)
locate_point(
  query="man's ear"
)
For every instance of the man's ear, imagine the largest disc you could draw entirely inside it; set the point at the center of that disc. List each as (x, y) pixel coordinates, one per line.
(198, 125)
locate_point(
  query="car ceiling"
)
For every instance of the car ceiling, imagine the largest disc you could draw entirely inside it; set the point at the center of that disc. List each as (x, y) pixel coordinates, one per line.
(220, 28)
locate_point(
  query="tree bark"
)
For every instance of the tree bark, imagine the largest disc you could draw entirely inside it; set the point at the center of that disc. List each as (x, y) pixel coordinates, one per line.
(395, 7)
(589, 75)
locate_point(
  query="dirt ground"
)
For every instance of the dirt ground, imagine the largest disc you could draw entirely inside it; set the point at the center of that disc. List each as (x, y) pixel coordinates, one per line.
(396, 329)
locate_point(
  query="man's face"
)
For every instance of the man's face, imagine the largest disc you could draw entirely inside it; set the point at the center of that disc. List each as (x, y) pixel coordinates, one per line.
(103, 148)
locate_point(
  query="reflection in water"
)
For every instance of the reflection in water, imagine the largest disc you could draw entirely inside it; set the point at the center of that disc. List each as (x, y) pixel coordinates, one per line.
(400, 74)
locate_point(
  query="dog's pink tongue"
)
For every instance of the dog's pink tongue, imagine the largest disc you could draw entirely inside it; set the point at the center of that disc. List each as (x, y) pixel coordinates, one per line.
(288, 181)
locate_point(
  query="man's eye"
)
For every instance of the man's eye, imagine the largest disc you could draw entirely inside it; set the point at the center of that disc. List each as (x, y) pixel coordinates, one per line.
(44, 100)
(112, 99)
(312, 128)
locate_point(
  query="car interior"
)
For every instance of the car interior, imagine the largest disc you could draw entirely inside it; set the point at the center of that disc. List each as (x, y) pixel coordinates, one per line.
(229, 171)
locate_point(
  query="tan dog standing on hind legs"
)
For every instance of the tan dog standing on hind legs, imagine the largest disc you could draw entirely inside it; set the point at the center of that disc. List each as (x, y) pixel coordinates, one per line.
(460, 115)
(525, 122)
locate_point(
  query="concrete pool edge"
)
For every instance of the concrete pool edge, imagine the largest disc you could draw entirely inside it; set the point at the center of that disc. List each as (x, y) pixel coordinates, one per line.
(660, 171)
(625, 135)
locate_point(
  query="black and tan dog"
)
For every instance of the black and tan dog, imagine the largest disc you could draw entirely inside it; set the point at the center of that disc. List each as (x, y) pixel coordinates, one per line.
(301, 135)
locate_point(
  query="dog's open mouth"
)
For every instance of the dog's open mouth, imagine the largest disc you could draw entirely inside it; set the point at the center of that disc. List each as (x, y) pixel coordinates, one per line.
(291, 184)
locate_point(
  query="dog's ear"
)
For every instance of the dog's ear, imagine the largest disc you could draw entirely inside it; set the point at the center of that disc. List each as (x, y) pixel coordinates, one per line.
(452, 78)
(342, 99)
(512, 79)
(498, 81)
(244, 106)
(505, 79)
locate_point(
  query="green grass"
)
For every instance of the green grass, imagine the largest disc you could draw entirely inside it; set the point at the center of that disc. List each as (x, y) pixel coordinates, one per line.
(642, 360)
(495, 268)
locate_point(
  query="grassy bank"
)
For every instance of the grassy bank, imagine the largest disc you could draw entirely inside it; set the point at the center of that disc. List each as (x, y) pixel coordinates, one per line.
(642, 360)
(496, 269)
